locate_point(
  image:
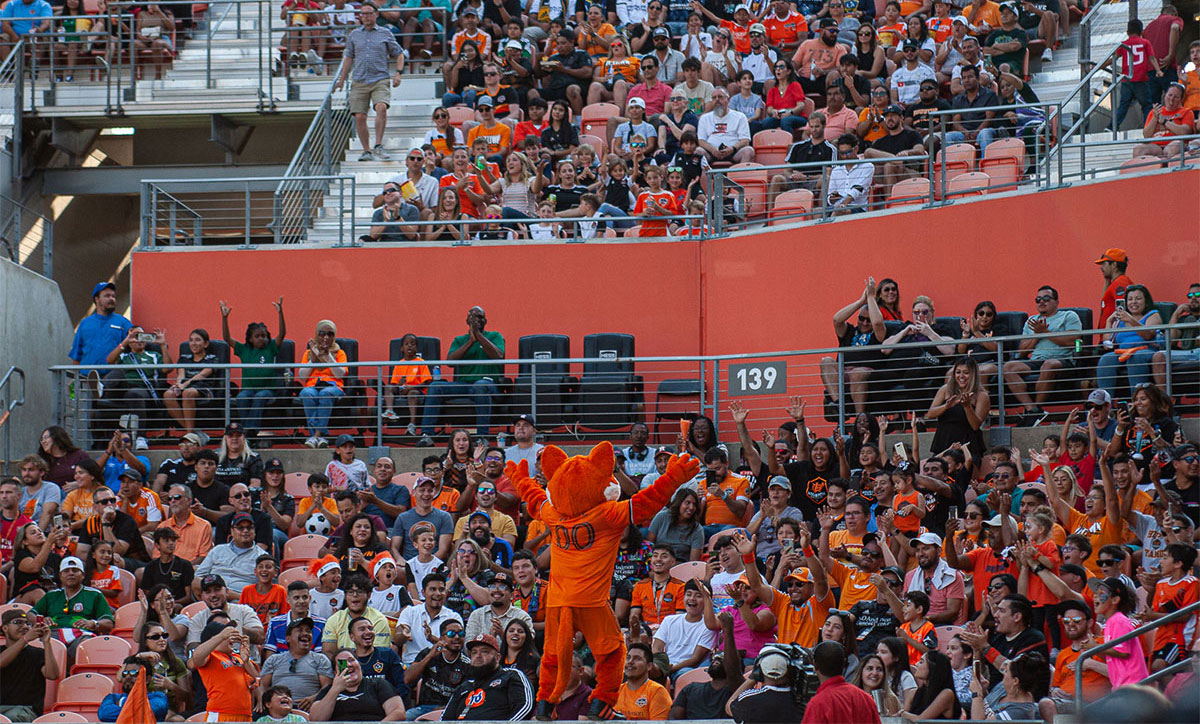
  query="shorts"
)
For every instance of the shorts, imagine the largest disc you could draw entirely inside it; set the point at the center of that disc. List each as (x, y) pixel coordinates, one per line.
(365, 96)
(622, 589)
(1035, 365)
(560, 93)
(1168, 653)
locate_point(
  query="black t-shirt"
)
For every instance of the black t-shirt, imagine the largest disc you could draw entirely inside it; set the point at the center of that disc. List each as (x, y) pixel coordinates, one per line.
(1015, 58)
(557, 140)
(124, 528)
(873, 622)
(917, 114)
(768, 704)
(809, 487)
(232, 472)
(212, 497)
(177, 471)
(441, 678)
(722, 8)
(1029, 20)
(264, 528)
(284, 504)
(861, 84)
(365, 704)
(564, 198)
(811, 152)
(1164, 426)
(937, 508)
(1029, 639)
(851, 337)
(177, 576)
(702, 700)
(895, 143)
(575, 60)
(1191, 498)
(506, 695)
(48, 576)
(24, 684)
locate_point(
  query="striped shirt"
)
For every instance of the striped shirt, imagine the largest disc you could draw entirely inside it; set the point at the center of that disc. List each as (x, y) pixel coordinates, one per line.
(370, 51)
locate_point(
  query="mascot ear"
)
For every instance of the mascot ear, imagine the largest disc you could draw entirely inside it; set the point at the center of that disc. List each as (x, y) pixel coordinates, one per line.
(552, 457)
(602, 456)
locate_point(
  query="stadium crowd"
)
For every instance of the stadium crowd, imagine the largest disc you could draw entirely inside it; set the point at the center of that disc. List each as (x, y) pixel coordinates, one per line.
(807, 579)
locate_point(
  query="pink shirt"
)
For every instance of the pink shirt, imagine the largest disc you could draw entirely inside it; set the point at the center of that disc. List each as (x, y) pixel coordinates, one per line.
(750, 642)
(1132, 669)
(939, 596)
(844, 121)
(656, 97)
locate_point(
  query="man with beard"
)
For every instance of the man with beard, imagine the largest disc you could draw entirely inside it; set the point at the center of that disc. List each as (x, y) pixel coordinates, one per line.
(41, 498)
(304, 671)
(707, 699)
(938, 580)
(180, 470)
(874, 620)
(494, 618)
(815, 58)
(899, 144)
(439, 669)
(489, 693)
(403, 545)
(497, 550)
(378, 662)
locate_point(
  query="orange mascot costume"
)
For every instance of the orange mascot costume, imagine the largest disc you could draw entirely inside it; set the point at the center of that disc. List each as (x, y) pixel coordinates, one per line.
(587, 523)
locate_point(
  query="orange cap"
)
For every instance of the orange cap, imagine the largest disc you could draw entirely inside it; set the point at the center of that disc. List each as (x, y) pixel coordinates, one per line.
(1113, 254)
(800, 575)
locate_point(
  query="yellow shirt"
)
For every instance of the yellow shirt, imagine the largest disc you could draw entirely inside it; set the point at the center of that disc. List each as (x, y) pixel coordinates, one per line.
(502, 525)
(649, 702)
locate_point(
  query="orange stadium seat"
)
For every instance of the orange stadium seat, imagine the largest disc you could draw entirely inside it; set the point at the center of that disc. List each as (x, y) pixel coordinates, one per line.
(771, 146)
(15, 606)
(408, 480)
(1005, 152)
(296, 484)
(435, 715)
(192, 609)
(460, 115)
(968, 184)
(5, 720)
(595, 118)
(299, 573)
(691, 677)
(82, 693)
(957, 159)
(910, 191)
(790, 203)
(944, 634)
(128, 588)
(125, 618)
(101, 655)
(596, 142)
(1140, 164)
(688, 570)
(61, 717)
(753, 179)
(300, 550)
(59, 651)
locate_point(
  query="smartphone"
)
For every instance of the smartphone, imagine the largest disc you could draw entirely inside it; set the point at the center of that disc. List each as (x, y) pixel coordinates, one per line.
(146, 337)
(59, 521)
(788, 547)
(236, 647)
(980, 672)
(710, 477)
(899, 451)
(954, 512)
(342, 665)
(1121, 305)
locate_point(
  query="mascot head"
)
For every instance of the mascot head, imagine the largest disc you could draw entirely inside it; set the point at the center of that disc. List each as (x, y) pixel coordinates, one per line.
(578, 484)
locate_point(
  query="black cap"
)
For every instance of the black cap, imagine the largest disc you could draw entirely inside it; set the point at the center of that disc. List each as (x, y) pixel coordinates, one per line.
(306, 621)
(894, 570)
(132, 474)
(1184, 449)
(893, 108)
(213, 628)
(211, 581)
(502, 577)
(343, 439)
(661, 32)
(824, 23)
(235, 427)
(525, 418)
(914, 45)
(239, 518)
(272, 465)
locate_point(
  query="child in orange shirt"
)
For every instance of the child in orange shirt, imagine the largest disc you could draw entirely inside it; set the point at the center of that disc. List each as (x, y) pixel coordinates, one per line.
(917, 631)
(317, 501)
(907, 503)
(892, 29)
(410, 378)
(266, 597)
(100, 573)
(654, 202)
(1178, 590)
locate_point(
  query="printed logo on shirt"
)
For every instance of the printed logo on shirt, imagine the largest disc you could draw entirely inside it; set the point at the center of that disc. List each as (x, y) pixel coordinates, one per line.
(641, 701)
(77, 608)
(378, 667)
(475, 698)
(817, 489)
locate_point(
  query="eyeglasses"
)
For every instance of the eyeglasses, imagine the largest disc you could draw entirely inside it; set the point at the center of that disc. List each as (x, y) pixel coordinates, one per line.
(129, 674)
(781, 66)
(490, 72)
(235, 496)
(156, 637)
(432, 471)
(1043, 298)
(879, 92)
(454, 634)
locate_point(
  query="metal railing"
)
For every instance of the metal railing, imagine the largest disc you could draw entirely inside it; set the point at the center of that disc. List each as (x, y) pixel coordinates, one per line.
(1183, 613)
(17, 240)
(8, 403)
(12, 72)
(609, 391)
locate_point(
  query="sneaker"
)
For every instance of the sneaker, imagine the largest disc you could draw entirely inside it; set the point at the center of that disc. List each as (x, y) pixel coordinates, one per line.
(1047, 55)
(69, 79)
(425, 441)
(366, 156)
(381, 153)
(322, 442)
(141, 444)
(1031, 417)
(390, 414)
(311, 442)
(314, 60)
(411, 429)
(97, 386)
(103, 62)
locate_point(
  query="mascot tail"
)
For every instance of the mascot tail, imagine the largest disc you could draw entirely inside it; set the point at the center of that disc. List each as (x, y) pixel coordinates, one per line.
(559, 649)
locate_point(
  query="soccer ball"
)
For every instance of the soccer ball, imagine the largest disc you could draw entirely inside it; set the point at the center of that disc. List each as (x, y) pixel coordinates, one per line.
(318, 524)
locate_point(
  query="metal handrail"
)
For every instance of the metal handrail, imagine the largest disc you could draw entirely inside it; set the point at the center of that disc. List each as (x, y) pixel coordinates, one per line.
(1144, 628)
(8, 408)
(16, 221)
(12, 70)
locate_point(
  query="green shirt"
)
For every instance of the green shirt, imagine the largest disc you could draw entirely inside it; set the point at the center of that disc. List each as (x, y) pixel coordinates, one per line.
(255, 378)
(471, 373)
(87, 603)
(141, 359)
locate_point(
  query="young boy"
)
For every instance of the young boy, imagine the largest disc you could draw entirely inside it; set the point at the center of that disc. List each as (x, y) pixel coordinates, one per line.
(1179, 589)
(278, 702)
(388, 596)
(917, 631)
(266, 597)
(589, 208)
(327, 597)
(425, 562)
(1080, 451)
(892, 30)
(317, 501)
(654, 202)
(492, 230)
(1051, 449)
(547, 229)
(1137, 55)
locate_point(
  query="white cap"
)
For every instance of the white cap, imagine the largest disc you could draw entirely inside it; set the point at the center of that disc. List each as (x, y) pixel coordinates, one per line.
(514, 44)
(929, 539)
(637, 102)
(961, 19)
(773, 665)
(70, 562)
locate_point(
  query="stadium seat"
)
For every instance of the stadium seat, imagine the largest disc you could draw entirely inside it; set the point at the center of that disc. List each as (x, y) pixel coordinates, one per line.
(459, 115)
(17, 606)
(691, 677)
(910, 192)
(192, 609)
(683, 399)
(435, 715)
(82, 693)
(406, 479)
(553, 379)
(128, 588)
(200, 717)
(634, 231)
(596, 142)
(125, 618)
(59, 651)
(1004, 161)
(688, 570)
(1009, 323)
(300, 550)
(101, 655)
(788, 204)
(296, 484)
(149, 543)
(595, 118)
(61, 717)
(1140, 164)
(299, 573)
(5, 720)
(972, 183)
(753, 179)
(210, 411)
(609, 395)
(771, 146)
(945, 634)
(957, 159)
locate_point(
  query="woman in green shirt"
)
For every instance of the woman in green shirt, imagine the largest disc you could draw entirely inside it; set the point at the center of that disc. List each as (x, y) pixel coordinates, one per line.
(258, 384)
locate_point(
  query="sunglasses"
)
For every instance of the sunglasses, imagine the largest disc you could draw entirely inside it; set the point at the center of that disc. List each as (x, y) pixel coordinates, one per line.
(973, 516)
(128, 674)
(1190, 459)
(752, 34)
(1073, 619)
(156, 637)
(235, 496)
(494, 458)
(1193, 295)
(487, 491)
(324, 333)
(106, 501)
(455, 634)
(490, 72)
(393, 191)
(1043, 298)
(872, 554)
(441, 115)
(1106, 562)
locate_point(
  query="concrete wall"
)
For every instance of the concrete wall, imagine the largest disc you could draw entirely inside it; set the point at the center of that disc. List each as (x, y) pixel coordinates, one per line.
(35, 333)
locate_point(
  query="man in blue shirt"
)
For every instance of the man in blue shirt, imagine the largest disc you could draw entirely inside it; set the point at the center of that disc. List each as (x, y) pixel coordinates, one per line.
(112, 705)
(22, 17)
(100, 332)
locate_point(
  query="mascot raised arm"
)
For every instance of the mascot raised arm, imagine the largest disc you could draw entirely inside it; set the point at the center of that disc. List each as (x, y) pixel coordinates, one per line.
(586, 521)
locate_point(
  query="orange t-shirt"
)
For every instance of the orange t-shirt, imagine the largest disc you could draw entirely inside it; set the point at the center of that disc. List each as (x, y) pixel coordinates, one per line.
(940, 28)
(799, 625)
(1108, 303)
(985, 565)
(875, 130)
(649, 702)
(229, 686)
(661, 199)
(412, 373)
(892, 35)
(1183, 592)
(468, 206)
(853, 543)
(989, 13)
(273, 603)
(909, 523)
(140, 511)
(322, 374)
(482, 39)
(908, 7)
(741, 36)
(1095, 684)
(499, 137)
(716, 511)
(107, 581)
(446, 500)
(626, 67)
(1099, 533)
(596, 45)
(924, 633)
(1191, 90)
(657, 604)
(306, 504)
(784, 30)
(854, 584)
(1038, 594)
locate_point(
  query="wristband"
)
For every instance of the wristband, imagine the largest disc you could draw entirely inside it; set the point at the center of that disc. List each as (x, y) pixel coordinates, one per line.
(991, 655)
(747, 558)
(808, 551)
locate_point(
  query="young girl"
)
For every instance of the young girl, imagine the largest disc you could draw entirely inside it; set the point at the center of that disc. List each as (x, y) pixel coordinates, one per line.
(258, 384)
(100, 573)
(388, 597)
(74, 20)
(425, 562)
(344, 471)
(458, 457)
(962, 657)
(409, 380)
(907, 505)
(194, 382)
(492, 230)
(1038, 526)
(587, 166)
(894, 654)
(676, 186)
(654, 202)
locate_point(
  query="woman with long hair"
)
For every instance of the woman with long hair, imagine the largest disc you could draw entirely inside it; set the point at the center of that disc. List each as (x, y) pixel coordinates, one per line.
(935, 697)
(633, 564)
(1144, 427)
(73, 20)
(976, 335)
(871, 677)
(866, 432)
(322, 373)
(458, 459)
(887, 295)
(36, 557)
(100, 573)
(918, 33)
(1132, 346)
(237, 462)
(1067, 485)
(519, 187)
(463, 77)
(61, 455)
(559, 137)
(1024, 678)
(160, 609)
(893, 651)
(614, 75)
(785, 103)
(973, 533)
(77, 505)
(449, 208)
(872, 61)
(962, 657)
(170, 674)
(518, 650)
(680, 526)
(463, 593)
(839, 627)
(701, 436)
(193, 383)
(444, 137)
(960, 406)
(358, 545)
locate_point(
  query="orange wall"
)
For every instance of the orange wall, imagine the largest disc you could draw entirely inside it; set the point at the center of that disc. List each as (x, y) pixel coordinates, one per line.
(750, 293)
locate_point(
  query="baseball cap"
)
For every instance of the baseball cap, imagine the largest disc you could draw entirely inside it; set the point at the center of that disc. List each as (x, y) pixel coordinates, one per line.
(11, 615)
(742, 6)
(961, 19)
(424, 480)
(929, 539)
(211, 581)
(529, 418)
(893, 109)
(479, 514)
(1113, 254)
(894, 570)
(1011, 7)
(486, 639)
(239, 518)
(485, 101)
(758, 28)
(662, 32)
(800, 575)
(306, 621)
(663, 451)
(193, 438)
(101, 286)
(1184, 449)
(468, 10)
(780, 481)
(235, 427)
(343, 439)
(132, 474)
(929, 83)
(994, 521)
(503, 578)
(1098, 398)
(70, 562)
(827, 23)
(1073, 569)
(635, 101)
(272, 465)
(514, 44)
(911, 45)
(773, 665)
